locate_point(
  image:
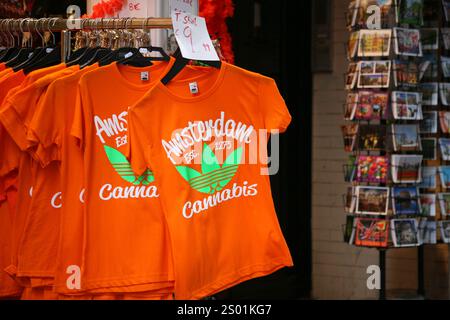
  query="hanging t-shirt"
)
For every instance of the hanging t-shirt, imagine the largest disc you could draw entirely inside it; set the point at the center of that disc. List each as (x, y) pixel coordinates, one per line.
(126, 240)
(196, 137)
(8, 287)
(15, 115)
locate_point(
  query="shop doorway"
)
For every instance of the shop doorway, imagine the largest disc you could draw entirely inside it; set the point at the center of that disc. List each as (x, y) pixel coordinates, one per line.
(266, 35)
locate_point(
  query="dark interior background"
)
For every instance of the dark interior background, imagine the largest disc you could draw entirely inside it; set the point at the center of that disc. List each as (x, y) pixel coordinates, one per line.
(280, 49)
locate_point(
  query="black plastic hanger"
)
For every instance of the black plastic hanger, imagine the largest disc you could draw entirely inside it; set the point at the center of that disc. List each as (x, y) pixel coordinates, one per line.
(164, 55)
(53, 57)
(76, 54)
(99, 54)
(182, 62)
(24, 52)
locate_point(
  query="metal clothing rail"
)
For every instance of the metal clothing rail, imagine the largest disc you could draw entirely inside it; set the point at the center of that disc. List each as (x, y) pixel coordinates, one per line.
(57, 24)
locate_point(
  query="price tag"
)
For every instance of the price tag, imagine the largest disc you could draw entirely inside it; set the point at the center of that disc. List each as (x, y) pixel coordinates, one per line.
(192, 37)
(135, 9)
(187, 6)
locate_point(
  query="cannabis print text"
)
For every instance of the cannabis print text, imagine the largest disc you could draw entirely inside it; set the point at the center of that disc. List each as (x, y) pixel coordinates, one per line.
(185, 146)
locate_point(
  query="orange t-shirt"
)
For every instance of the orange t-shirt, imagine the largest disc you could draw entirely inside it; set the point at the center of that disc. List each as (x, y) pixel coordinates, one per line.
(126, 240)
(15, 115)
(196, 138)
(51, 128)
(8, 287)
(2, 66)
(5, 72)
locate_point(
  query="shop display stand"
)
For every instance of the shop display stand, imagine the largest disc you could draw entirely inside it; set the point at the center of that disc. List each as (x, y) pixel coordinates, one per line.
(409, 66)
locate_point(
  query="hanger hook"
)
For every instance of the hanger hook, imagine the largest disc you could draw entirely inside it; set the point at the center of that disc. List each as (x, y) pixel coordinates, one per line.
(50, 29)
(36, 27)
(9, 32)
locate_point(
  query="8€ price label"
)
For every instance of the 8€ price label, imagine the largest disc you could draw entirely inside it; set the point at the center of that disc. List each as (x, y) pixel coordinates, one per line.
(192, 37)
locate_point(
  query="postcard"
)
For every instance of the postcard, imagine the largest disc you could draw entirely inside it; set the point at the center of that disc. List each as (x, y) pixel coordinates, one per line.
(445, 65)
(428, 68)
(404, 232)
(372, 200)
(427, 232)
(349, 133)
(444, 175)
(350, 105)
(352, 75)
(406, 73)
(350, 200)
(429, 93)
(350, 169)
(444, 121)
(444, 204)
(406, 137)
(374, 43)
(409, 12)
(352, 45)
(445, 231)
(372, 169)
(406, 105)
(429, 123)
(428, 204)
(371, 137)
(446, 5)
(429, 148)
(428, 178)
(444, 144)
(372, 232)
(374, 74)
(445, 32)
(350, 229)
(364, 12)
(429, 38)
(405, 201)
(352, 13)
(444, 89)
(406, 168)
(372, 105)
(407, 42)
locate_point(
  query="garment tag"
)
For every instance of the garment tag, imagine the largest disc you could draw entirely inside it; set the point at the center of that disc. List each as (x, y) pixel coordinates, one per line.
(188, 6)
(144, 76)
(193, 37)
(143, 50)
(30, 55)
(128, 55)
(48, 50)
(193, 87)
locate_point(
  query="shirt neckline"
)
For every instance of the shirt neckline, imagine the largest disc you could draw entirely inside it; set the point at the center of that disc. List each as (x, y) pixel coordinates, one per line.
(201, 96)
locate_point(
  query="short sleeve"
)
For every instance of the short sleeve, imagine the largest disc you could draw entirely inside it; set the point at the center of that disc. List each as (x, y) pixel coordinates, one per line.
(44, 128)
(9, 161)
(138, 146)
(272, 106)
(78, 125)
(16, 113)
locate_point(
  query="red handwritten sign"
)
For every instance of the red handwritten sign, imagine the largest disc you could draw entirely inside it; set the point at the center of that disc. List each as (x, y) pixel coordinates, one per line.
(192, 37)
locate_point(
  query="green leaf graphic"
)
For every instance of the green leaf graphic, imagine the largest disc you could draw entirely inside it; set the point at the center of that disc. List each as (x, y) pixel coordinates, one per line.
(209, 160)
(124, 170)
(234, 158)
(188, 173)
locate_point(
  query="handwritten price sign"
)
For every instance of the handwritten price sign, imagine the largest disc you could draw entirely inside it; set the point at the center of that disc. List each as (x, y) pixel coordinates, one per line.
(187, 6)
(135, 9)
(192, 37)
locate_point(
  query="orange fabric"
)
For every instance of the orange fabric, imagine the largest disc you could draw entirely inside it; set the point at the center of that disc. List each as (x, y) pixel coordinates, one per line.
(43, 293)
(5, 72)
(126, 243)
(220, 213)
(51, 127)
(15, 115)
(8, 287)
(2, 66)
(10, 81)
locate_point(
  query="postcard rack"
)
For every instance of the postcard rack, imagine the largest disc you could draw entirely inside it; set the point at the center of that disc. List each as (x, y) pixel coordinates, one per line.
(397, 132)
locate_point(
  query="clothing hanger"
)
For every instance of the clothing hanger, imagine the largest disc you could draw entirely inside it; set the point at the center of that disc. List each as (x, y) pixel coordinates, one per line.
(122, 55)
(24, 52)
(12, 50)
(181, 62)
(4, 39)
(52, 56)
(101, 52)
(88, 53)
(38, 52)
(79, 50)
(149, 49)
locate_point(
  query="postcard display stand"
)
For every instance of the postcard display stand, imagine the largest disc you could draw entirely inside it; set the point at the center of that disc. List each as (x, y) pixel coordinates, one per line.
(398, 130)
